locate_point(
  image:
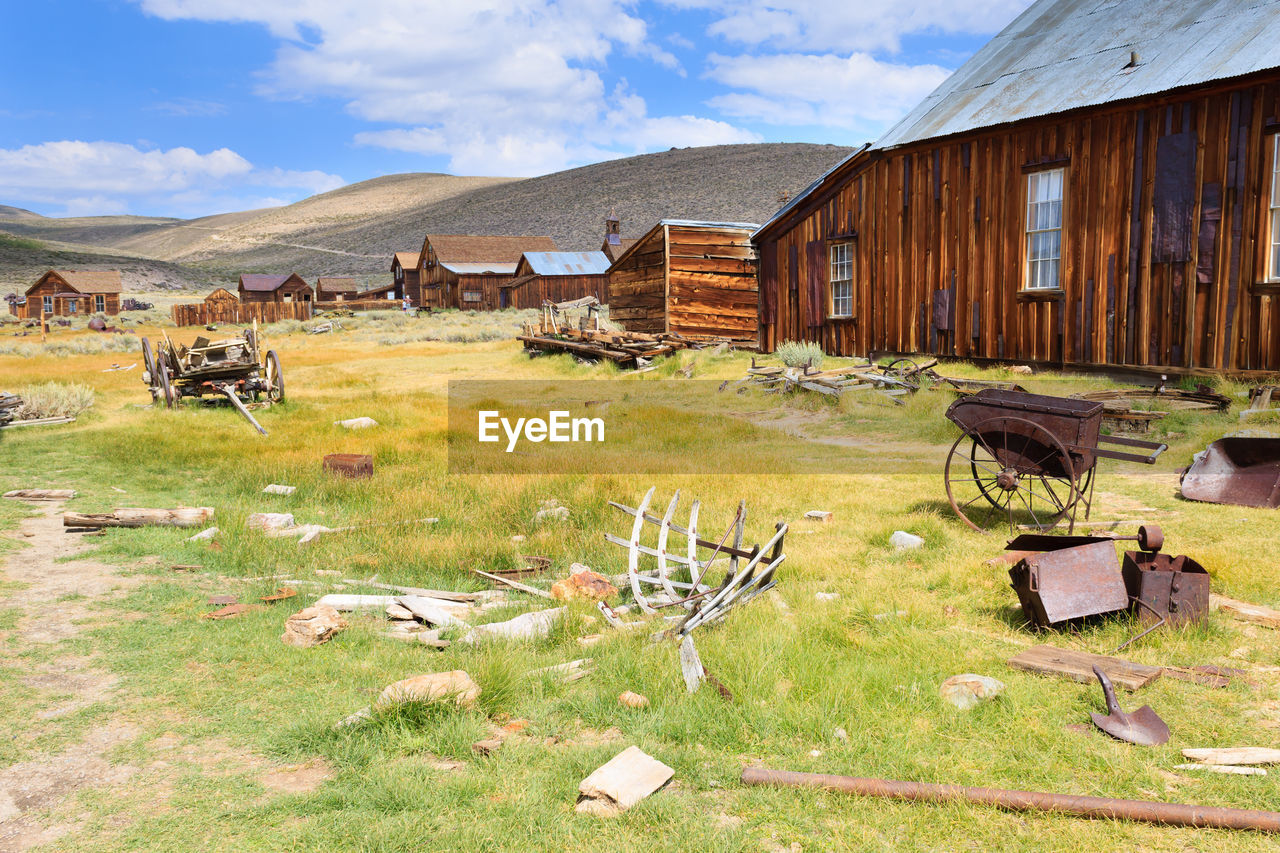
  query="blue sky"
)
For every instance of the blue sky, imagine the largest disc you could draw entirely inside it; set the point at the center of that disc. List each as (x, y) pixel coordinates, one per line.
(191, 107)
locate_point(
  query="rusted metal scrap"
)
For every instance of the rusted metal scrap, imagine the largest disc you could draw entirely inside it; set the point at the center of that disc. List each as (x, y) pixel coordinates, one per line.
(1241, 470)
(682, 578)
(1106, 808)
(1058, 586)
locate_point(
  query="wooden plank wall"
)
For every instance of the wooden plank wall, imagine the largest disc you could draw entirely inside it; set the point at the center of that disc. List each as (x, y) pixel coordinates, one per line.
(557, 288)
(1164, 241)
(712, 280)
(487, 285)
(239, 313)
(637, 286)
(53, 287)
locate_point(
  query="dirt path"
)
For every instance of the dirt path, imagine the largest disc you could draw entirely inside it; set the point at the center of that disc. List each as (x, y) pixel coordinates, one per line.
(54, 605)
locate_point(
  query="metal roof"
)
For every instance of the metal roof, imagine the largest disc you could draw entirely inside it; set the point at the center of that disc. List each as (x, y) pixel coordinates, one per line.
(568, 263)
(1061, 55)
(479, 269)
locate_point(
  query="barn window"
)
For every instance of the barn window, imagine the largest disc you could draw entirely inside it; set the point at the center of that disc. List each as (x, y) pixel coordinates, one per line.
(100, 303)
(48, 305)
(842, 280)
(72, 305)
(470, 296)
(1275, 208)
(1044, 229)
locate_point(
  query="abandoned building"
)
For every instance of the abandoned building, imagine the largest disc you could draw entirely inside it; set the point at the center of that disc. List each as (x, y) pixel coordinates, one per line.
(465, 271)
(555, 277)
(256, 287)
(66, 293)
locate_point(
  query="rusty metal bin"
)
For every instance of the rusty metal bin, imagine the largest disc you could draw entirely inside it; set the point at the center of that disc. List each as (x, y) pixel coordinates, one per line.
(1057, 586)
(1173, 588)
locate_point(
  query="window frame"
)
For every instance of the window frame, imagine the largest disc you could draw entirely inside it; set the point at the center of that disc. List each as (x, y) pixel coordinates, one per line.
(99, 303)
(845, 247)
(468, 294)
(1029, 264)
(73, 306)
(1273, 213)
(47, 303)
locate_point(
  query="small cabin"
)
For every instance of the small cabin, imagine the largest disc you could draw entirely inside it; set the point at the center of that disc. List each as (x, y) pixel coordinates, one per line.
(404, 277)
(257, 287)
(336, 289)
(696, 279)
(66, 293)
(555, 277)
(221, 297)
(466, 271)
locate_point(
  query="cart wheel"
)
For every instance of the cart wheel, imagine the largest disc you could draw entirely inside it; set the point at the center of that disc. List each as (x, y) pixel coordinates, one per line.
(164, 385)
(252, 343)
(149, 364)
(275, 378)
(907, 371)
(1014, 472)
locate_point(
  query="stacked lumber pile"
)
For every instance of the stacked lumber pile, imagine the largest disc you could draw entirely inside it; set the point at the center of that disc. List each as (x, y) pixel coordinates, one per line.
(866, 377)
(9, 405)
(556, 331)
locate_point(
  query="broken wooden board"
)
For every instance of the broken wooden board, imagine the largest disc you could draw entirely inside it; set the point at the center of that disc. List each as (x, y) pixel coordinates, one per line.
(620, 783)
(691, 665)
(1078, 666)
(41, 494)
(346, 603)
(194, 516)
(434, 611)
(1256, 614)
(527, 626)
(1234, 755)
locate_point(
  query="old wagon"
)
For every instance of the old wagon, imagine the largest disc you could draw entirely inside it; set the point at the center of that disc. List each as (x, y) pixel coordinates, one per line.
(233, 368)
(1029, 459)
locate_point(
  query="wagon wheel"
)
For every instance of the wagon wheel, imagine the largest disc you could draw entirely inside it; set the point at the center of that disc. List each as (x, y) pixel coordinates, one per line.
(163, 385)
(275, 378)
(149, 363)
(1013, 471)
(906, 371)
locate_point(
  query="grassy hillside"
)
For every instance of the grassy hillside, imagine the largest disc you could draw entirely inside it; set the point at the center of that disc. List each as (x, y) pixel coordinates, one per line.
(23, 260)
(354, 230)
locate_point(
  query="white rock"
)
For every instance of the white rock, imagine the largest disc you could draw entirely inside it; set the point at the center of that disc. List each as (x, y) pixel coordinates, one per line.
(517, 538)
(270, 521)
(904, 541)
(840, 734)
(559, 513)
(826, 596)
(356, 423)
(966, 690)
(207, 533)
(277, 489)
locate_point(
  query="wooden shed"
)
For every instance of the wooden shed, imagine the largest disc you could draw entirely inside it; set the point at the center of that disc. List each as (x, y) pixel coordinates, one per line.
(465, 271)
(329, 289)
(221, 296)
(557, 277)
(66, 293)
(1098, 185)
(697, 279)
(404, 277)
(257, 287)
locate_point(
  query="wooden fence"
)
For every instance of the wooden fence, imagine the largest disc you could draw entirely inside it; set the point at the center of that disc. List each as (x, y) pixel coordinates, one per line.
(360, 305)
(202, 313)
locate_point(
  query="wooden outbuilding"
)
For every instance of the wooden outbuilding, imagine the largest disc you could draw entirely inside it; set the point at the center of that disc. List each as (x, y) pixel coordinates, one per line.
(1098, 185)
(221, 297)
(329, 289)
(557, 277)
(404, 277)
(465, 271)
(66, 293)
(257, 287)
(696, 279)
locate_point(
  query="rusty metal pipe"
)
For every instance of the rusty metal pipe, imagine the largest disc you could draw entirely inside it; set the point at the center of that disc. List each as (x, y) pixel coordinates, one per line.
(1149, 811)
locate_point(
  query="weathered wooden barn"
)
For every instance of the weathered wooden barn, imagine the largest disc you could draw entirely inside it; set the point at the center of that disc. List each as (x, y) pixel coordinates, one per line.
(331, 289)
(66, 293)
(257, 287)
(1098, 185)
(465, 271)
(404, 277)
(614, 243)
(221, 297)
(557, 277)
(697, 279)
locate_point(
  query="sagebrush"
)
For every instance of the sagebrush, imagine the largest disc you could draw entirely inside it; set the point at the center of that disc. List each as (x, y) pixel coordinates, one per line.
(800, 353)
(54, 400)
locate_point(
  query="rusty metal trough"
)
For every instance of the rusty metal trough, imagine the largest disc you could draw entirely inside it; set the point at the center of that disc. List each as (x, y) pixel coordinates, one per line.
(1242, 470)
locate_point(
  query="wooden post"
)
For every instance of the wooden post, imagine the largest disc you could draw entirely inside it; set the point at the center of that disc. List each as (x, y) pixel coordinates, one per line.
(44, 325)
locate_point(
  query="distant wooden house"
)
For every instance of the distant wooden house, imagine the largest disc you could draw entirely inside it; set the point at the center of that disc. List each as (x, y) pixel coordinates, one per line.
(614, 243)
(221, 297)
(557, 277)
(404, 277)
(66, 293)
(330, 289)
(697, 279)
(465, 271)
(257, 287)
(1098, 185)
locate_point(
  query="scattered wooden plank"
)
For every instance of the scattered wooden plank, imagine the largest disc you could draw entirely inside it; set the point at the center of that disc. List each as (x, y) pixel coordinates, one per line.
(1078, 666)
(194, 516)
(446, 595)
(41, 494)
(1222, 768)
(1234, 755)
(433, 610)
(515, 584)
(37, 422)
(346, 603)
(691, 665)
(621, 782)
(527, 626)
(566, 672)
(1243, 611)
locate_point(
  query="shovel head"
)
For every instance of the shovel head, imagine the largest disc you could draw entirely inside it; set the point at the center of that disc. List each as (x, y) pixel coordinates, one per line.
(1143, 727)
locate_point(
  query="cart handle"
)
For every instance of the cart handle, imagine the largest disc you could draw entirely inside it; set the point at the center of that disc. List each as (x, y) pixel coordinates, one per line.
(1156, 449)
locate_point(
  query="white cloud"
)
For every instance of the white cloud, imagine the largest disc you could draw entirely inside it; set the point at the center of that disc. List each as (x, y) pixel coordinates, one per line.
(857, 92)
(113, 177)
(502, 87)
(849, 25)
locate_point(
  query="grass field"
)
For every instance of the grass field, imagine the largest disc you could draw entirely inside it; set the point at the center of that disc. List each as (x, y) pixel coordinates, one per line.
(209, 713)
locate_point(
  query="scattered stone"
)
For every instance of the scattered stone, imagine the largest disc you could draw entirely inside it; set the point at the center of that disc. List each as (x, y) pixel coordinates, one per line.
(518, 538)
(826, 596)
(222, 600)
(841, 735)
(820, 515)
(204, 535)
(967, 690)
(455, 685)
(815, 753)
(270, 521)
(277, 489)
(620, 783)
(312, 626)
(356, 423)
(633, 700)
(233, 610)
(1020, 369)
(590, 639)
(488, 746)
(904, 541)
(559, 513)
(587, 584)
(515, 727)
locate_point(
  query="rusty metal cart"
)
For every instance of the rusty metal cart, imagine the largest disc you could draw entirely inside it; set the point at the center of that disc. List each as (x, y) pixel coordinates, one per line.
(1028, 459)
(234, 368)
